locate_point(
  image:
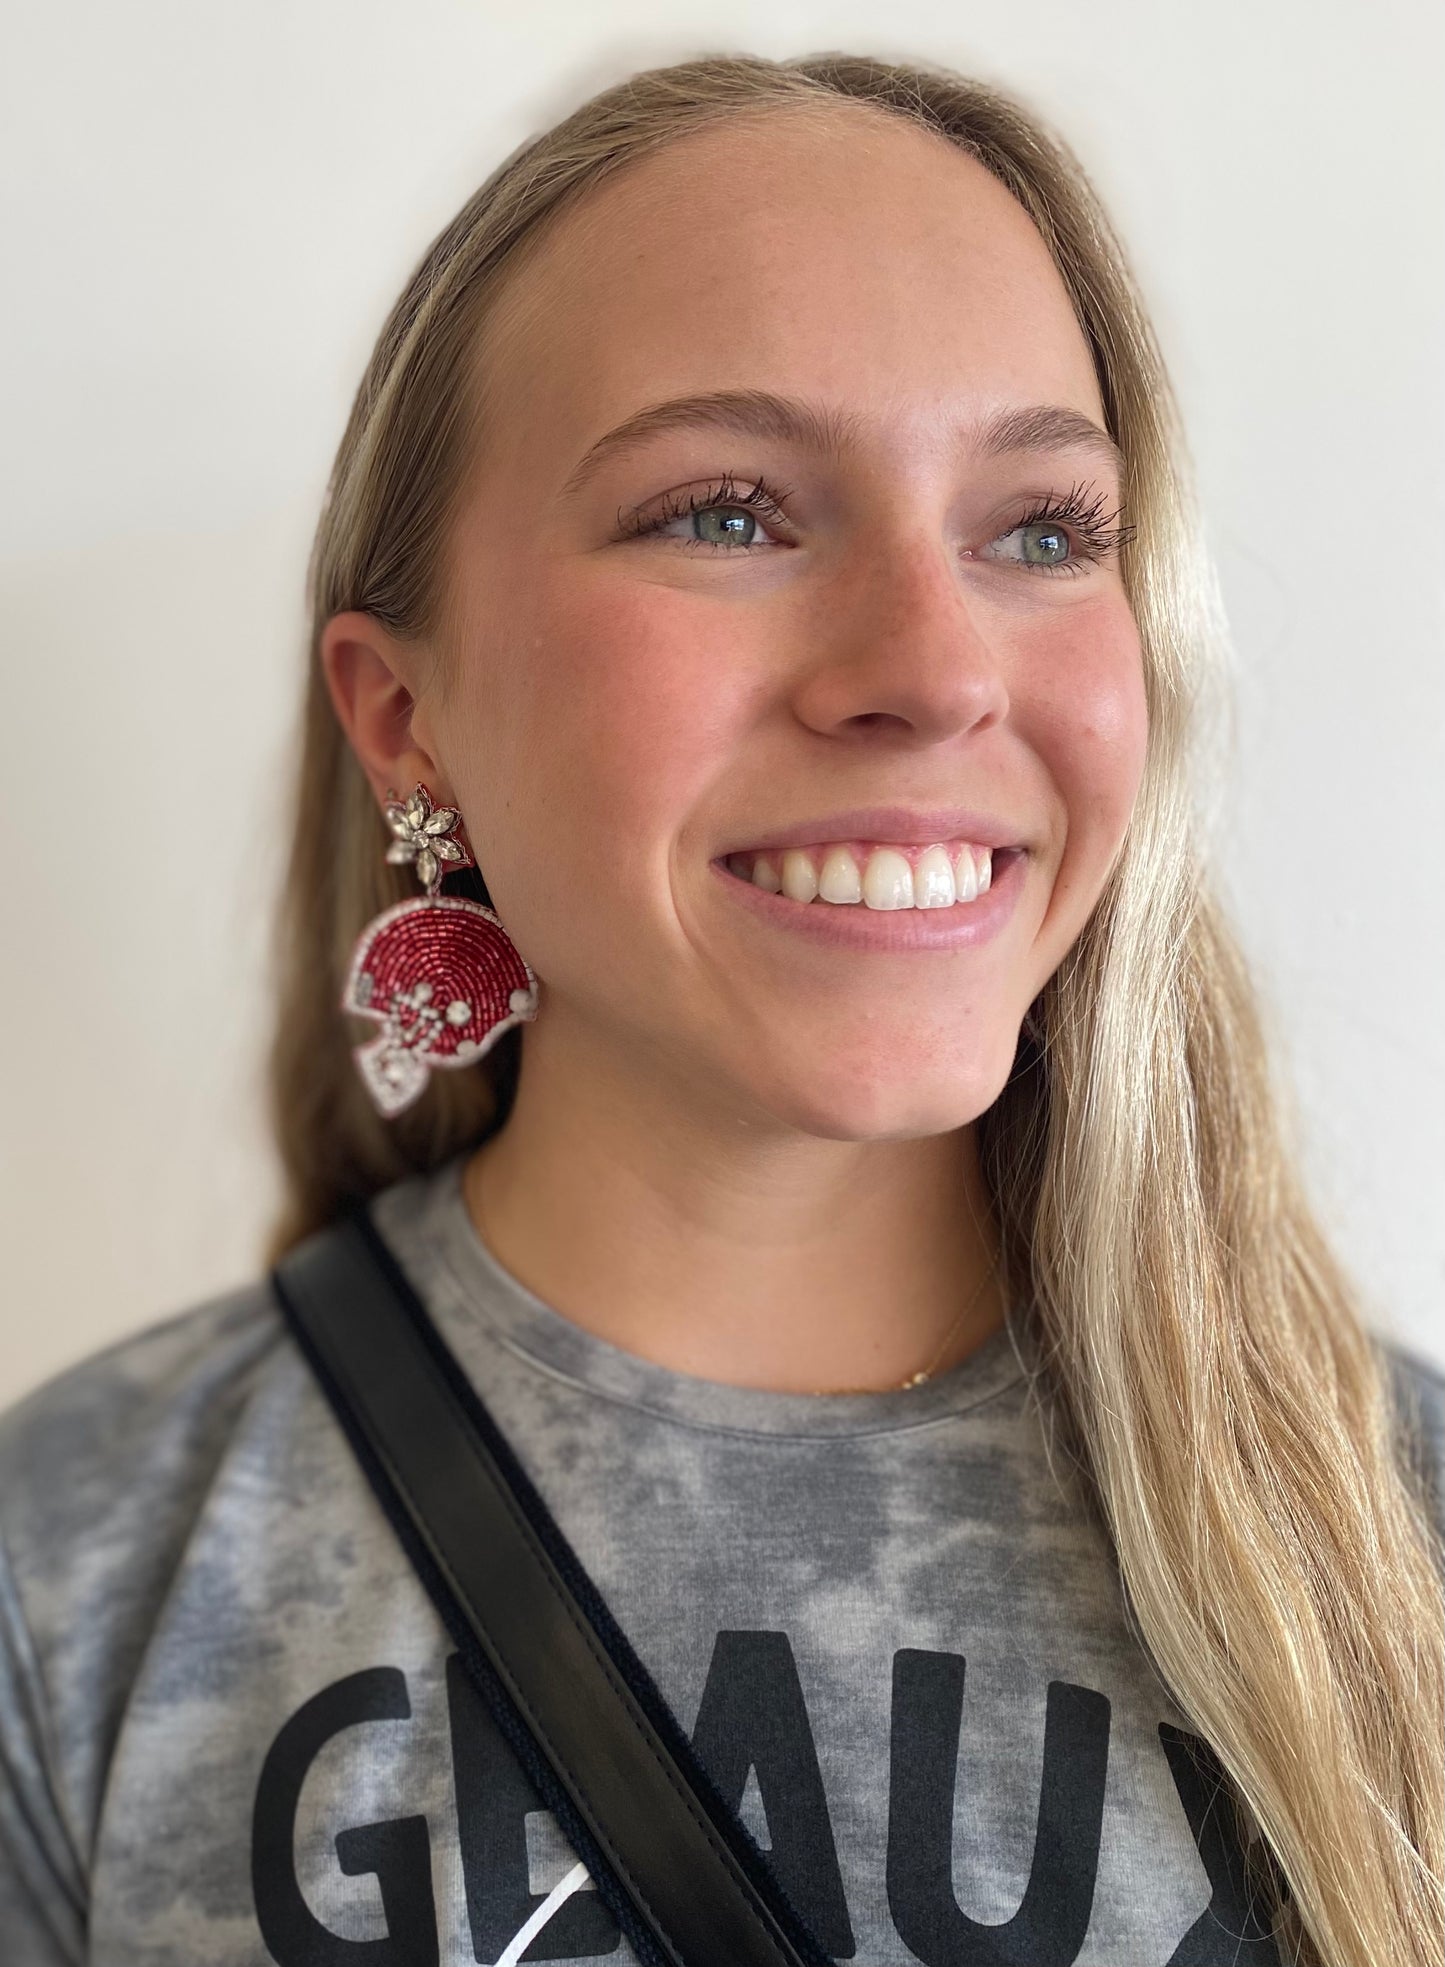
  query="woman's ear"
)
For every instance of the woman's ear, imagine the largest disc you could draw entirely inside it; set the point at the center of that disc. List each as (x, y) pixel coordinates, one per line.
(371, 674)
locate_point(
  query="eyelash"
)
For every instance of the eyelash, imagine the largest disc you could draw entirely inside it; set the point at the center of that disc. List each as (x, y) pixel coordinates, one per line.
(1083, 518)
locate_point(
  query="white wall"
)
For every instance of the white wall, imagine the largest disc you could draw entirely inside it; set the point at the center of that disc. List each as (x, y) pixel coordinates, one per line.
(207, 211)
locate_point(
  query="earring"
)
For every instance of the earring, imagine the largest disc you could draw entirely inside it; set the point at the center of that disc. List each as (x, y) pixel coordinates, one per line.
(439, 974)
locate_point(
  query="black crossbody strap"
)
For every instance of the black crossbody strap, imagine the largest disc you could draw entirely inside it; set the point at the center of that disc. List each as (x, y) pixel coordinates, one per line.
(686, 1882)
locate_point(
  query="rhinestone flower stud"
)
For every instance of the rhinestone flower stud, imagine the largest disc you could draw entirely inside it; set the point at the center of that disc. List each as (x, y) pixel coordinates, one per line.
(423, 838)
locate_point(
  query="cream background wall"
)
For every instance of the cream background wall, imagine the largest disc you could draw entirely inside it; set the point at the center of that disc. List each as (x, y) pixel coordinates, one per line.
(207, 211)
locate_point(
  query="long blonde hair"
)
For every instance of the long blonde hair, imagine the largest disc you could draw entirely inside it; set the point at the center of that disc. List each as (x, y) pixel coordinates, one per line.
(1192, 1340)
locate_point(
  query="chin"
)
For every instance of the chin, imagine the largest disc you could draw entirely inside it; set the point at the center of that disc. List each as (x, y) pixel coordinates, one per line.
(897, 1101)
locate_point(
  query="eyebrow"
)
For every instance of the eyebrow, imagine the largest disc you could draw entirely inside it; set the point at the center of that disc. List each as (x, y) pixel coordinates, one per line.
(831, 433)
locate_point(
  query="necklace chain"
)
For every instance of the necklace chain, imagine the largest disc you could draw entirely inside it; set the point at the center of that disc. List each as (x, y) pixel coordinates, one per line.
(917, 1379)
(902, 1386)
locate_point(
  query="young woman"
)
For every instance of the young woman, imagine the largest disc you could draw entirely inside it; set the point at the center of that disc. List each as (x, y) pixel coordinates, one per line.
(762, 543)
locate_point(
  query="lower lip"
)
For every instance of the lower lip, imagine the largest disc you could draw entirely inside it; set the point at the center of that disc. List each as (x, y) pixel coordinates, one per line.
(853, 925)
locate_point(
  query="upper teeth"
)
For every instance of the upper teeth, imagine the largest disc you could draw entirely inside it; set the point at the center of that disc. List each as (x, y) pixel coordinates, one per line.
(878, 876)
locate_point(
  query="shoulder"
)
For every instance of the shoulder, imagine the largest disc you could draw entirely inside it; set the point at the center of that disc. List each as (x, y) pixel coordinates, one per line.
(1418, 1383)
(1417, 1390)
(138, 1407)
(105, 1470)
(104, 1467)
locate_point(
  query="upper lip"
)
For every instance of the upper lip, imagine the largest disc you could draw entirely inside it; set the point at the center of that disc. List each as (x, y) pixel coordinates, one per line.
(903, 826)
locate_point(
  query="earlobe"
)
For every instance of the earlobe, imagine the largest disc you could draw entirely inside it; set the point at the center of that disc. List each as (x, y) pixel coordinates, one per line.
(367, 671)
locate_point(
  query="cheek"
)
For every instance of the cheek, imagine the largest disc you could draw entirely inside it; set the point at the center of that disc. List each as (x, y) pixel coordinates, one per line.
(595, 731)
(640, 721)
(1085, 713)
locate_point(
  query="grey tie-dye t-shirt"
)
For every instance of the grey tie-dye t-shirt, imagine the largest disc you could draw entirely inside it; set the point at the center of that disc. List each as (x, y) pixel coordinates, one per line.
(233, 1728)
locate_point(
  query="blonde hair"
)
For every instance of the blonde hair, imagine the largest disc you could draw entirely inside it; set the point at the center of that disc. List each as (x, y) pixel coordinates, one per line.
(1191, 1338)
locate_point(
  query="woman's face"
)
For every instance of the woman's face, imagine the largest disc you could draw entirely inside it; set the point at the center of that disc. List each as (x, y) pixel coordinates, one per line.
(627, 707)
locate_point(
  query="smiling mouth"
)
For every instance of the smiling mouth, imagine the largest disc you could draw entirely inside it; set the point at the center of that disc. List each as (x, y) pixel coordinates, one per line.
(948, 875)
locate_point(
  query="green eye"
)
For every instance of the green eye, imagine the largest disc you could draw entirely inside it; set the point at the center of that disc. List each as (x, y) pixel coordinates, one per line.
(734, 515)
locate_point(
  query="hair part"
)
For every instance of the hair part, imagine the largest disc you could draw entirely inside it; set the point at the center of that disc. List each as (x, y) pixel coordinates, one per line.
(1196, 1352)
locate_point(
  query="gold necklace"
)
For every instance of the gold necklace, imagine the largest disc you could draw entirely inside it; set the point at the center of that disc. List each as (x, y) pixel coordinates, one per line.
(917, 1379)
(822, 1393)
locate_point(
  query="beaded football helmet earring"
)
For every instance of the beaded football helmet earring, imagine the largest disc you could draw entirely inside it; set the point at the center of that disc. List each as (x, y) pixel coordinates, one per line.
(439, 973)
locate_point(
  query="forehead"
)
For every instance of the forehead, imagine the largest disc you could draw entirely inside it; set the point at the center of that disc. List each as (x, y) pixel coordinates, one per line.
(845, 256)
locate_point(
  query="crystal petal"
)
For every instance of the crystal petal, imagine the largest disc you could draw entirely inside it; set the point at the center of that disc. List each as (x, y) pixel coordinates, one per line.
(448, 850)
(428, 869)
(442, 820)
(401, 851)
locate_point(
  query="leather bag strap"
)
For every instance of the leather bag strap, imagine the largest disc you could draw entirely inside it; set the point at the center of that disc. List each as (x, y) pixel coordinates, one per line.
(685, 1880)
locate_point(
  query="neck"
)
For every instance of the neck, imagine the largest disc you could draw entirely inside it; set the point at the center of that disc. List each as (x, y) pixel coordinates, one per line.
(733, 1252)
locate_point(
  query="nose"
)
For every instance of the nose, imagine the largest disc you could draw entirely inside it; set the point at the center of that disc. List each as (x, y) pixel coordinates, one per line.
(900, 645)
